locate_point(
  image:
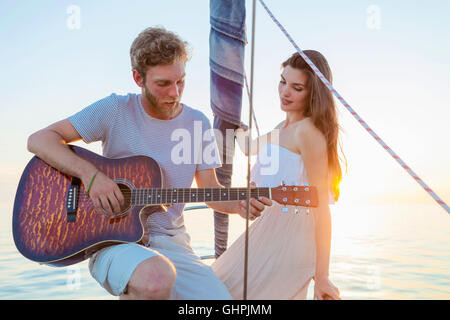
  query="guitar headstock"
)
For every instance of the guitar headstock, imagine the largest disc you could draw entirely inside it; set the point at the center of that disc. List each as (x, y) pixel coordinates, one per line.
(304, 196)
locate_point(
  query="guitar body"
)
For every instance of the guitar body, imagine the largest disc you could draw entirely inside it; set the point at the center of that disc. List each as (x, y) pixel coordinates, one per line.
(42, 229)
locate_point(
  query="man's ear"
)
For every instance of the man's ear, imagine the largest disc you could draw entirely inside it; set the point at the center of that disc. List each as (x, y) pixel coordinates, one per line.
(138, 78)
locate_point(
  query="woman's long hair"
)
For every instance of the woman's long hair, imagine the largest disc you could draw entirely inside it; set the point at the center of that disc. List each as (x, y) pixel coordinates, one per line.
(322, 110)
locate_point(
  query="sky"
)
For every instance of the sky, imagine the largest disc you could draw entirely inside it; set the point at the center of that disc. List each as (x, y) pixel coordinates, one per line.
(390, 61)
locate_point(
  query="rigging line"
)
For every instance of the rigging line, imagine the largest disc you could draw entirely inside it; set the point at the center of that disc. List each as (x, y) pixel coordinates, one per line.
(248, 95)
(356, 116)
(249, 137)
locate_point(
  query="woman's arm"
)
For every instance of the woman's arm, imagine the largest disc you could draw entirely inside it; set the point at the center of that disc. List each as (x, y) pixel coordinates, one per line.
(242, 140)
(313, 147)
(242, 137)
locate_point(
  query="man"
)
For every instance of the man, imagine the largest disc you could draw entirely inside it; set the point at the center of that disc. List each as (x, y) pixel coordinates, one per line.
(143, 124)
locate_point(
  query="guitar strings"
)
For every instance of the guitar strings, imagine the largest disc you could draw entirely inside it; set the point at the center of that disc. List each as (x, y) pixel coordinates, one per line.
(139, 198)
(142, 196)
(166, 194)
(158, 194)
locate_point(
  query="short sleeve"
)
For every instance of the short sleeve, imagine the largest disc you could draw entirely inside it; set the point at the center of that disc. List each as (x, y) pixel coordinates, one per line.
(94, 121)
(210, 157)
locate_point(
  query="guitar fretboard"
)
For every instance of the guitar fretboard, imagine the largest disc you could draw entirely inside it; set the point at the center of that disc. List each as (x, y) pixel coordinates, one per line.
(186, 195)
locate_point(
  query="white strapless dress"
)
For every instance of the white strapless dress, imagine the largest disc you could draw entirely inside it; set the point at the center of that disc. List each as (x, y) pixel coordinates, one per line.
(281, 251)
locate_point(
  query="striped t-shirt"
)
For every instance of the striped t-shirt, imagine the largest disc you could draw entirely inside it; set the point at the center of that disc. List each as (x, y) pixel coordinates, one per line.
(181, 146)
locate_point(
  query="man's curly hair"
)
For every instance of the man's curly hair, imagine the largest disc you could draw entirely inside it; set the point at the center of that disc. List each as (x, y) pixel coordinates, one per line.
(157, 46)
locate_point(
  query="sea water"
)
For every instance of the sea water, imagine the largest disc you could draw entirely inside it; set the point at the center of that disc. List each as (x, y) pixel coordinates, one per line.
(378, 252)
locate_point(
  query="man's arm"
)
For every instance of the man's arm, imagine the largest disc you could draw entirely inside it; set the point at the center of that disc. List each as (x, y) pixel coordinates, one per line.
(208, 179)
(50, 145)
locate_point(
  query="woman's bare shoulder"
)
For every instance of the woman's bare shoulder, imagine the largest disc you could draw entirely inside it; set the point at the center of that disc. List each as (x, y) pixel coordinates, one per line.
(308, 135)
(305, 126)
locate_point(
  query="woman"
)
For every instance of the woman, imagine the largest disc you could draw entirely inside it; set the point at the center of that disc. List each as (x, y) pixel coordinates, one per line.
(288, 249)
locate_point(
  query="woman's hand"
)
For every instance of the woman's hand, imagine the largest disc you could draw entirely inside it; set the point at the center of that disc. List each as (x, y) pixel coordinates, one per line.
(324, 289)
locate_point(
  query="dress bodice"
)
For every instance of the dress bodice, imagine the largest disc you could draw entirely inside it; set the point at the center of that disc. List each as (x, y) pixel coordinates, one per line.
(275, 164)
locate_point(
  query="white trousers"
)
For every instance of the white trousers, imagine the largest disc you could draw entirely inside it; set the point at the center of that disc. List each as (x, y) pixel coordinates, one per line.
(112, 267)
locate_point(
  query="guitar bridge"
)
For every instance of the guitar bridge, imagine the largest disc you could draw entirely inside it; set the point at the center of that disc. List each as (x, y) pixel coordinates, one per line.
(73, 195)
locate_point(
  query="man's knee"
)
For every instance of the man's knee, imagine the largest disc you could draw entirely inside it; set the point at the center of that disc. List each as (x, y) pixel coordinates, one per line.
(154, 278)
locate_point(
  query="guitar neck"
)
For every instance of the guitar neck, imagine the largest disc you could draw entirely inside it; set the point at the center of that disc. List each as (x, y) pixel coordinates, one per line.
(188, 195)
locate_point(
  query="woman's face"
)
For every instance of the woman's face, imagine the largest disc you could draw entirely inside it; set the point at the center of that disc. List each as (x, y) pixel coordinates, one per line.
(293, 90)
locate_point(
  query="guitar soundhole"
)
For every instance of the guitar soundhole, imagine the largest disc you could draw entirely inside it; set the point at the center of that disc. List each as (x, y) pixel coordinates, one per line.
(126, 191)
(124, 209)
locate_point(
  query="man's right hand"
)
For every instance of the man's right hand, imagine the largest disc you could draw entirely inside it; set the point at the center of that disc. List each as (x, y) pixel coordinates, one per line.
(104, 193)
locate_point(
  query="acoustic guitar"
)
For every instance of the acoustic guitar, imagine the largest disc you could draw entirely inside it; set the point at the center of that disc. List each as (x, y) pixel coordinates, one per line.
(55, 222)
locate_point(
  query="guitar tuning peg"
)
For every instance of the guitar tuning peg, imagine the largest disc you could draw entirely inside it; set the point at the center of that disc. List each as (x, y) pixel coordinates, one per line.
(284, 209)
(307, 211)
(282, 183)
(296, 210)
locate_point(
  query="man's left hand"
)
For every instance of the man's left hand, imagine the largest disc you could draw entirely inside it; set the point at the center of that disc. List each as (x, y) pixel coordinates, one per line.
(256, 206)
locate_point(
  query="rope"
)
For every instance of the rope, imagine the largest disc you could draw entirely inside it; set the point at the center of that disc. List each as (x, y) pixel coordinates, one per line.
(249, 150)
(253, 111)
(357, 117)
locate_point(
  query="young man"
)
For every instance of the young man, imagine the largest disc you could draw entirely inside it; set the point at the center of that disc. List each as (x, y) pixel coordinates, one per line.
(144, 124)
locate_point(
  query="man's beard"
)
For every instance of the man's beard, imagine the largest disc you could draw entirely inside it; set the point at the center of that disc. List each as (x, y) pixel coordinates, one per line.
(156, 103)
